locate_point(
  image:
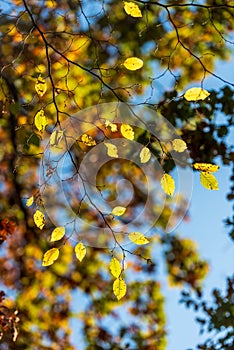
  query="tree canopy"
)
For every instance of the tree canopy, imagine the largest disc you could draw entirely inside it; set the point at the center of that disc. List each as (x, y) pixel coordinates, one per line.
(105, 119)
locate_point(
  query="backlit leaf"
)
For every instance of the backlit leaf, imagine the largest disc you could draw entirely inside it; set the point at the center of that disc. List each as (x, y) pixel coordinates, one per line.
(112, 150)
(133, 63)
(127, 131)
(57, 234)
(168, 184)
(145, 155)
(115, 267)
(119, 288)
(138, 238)
(56, 137)
(40, 120)
(39, 219)
(195, 94)
(80, 251)
(118, 211)
(209, 181)
(132, 9)
(40, 86)
(50, 256)
(88, 140)
(211, 168)
(112, 126)
(29, 201)
(179, 145)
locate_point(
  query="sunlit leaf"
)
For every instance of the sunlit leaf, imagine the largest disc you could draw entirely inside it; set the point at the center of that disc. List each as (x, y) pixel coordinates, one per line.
(40, 120)
(145, 155)
(138, 238)
(112, 150)
(29, 201)
(168, 184)
(115, 267)
(179, 145)
(50, 256)
(133, 63)
(80, 251)
(119, 288)
(112, 126)
(39, 219)
(57, 234)
(211, 168)
(118, 211)
(132, 9)
(127, 131)
(56, 137)
(209, 181)
(88, 140)
(195, 94)
(40, 86)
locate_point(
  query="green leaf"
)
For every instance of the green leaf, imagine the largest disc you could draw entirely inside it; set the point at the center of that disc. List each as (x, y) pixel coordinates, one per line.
(119, 288)
(115, 267)
(57, 234)
(50, 256)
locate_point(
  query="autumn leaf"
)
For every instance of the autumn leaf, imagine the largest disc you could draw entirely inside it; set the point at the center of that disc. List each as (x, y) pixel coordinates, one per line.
(145, 155)
(115, 267)
(127, 131)
(209, 181)
(29, 201)
(207, 167)
(40, 120)
(88, 140)
(138, 238)
(195, 94)
(112, 126)
(118, 211)
(57, 234)
(133, 63)
(119, 288)
(132, 9)
(80, 251)
(168, 184)
(50, 256)
(112, 150)
(40, 86)
(39, 219)
(179, 145)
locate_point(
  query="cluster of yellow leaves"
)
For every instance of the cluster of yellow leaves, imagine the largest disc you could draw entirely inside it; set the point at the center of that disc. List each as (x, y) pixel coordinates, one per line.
(88, 140)
(119, 285)
(195, 94)
(207, 179)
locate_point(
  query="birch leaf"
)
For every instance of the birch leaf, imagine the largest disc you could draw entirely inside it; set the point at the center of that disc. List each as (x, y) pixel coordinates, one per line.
(88, 140)
(80, 251)
(112, 126)
(179, 145)
(168, 184)
(138, 238)
(29, 201)
(115, 267)
(133, 63)
(145, 155)
(50, 256)
(39, 219)
(207, 167)
(40, 120)
(112, 150)
(195, 94)
(119, 288)
(132, 9)
(40, 86)
(118, 211)
(57, 234)
(127, 131)
(209, 181)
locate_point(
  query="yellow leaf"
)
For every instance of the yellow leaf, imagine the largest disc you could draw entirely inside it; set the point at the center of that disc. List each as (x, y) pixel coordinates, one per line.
(112, 150)
(39, 219)
(127, 131)
(111, 125)
(119, 288)
(209, 181)
(133, 63)
(40, 120)
(56, 137)
(179, 145)
(29, 201)
(57, 234)
(195, 94)
(50, 256)
(145, 155)
(80, 251)
(88, 140)
(211, 168)
(138, 238)
(132, 9)
(168, 184)
(118, 211)
(40, 86)
(115, 267)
